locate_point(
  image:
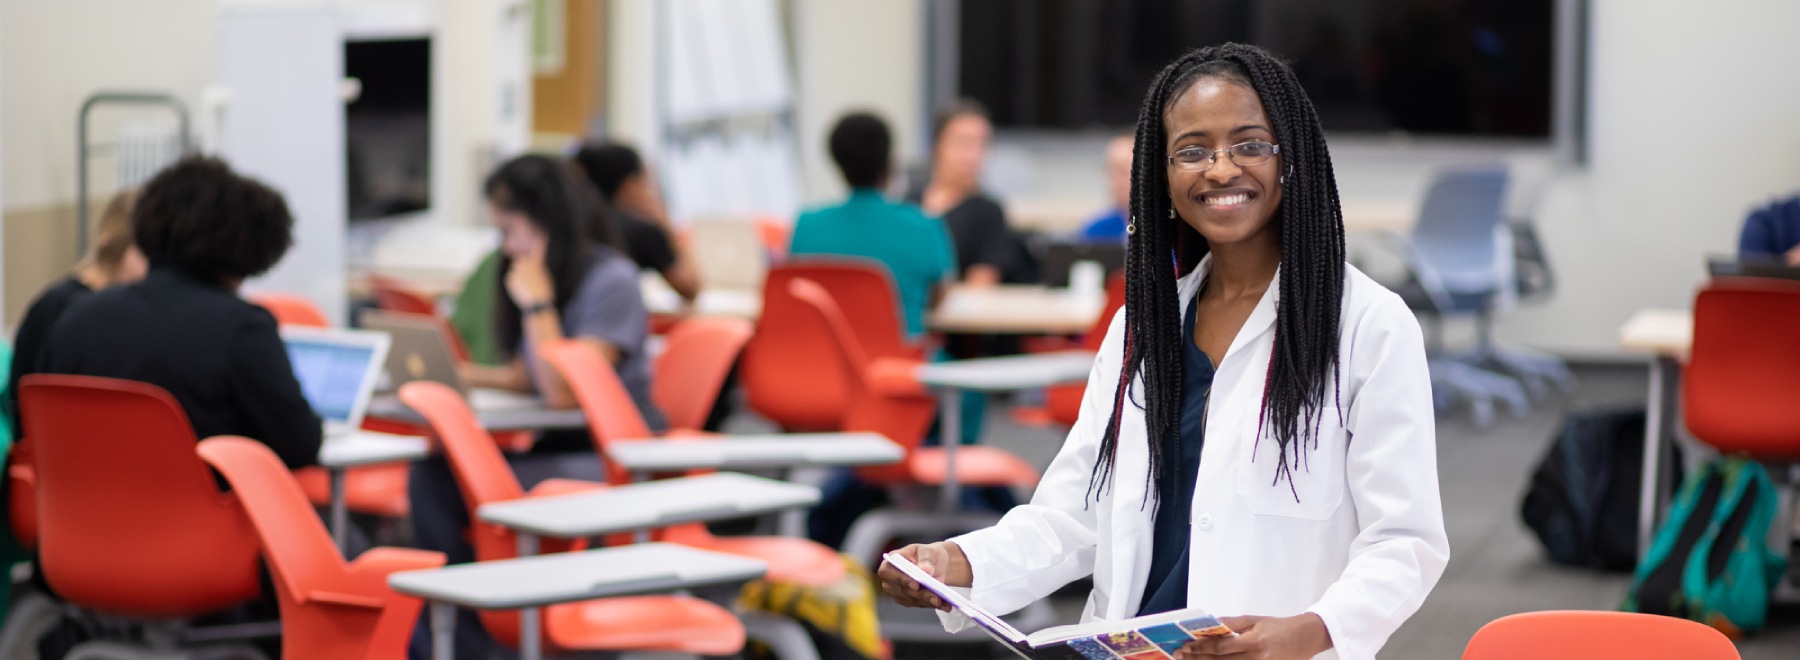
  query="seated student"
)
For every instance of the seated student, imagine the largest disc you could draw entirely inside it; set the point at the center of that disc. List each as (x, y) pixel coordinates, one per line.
(987, 251)
(112, 259)
(1772, 233)
(555, 280)
(915, 248)
(204, 229)
(618, 173)
(1110, 226)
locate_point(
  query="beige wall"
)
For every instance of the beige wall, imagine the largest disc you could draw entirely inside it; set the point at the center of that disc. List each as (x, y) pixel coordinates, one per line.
(856, 55)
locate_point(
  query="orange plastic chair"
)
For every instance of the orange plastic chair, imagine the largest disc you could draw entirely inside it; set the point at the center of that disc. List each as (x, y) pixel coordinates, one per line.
(21, 494)
(815, 399)
(1743, 376)
(395, 296)
(329, 609)
(776, 234)
(1585, 635)
(613, 417)
(884, 397)
(679, 624)
(1064, 401)
(691, 372)
(116, 477)
(291, 309)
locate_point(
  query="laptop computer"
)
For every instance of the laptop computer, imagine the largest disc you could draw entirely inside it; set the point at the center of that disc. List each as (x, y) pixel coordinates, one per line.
(1731, 267)
(1057, 257)
(421, 351)
(337, 370)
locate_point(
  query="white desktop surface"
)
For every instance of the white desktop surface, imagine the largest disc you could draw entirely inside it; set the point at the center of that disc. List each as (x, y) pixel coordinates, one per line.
(573, 576)
(756, 452)
(369, 447)
(649, 505)
(1010, 373)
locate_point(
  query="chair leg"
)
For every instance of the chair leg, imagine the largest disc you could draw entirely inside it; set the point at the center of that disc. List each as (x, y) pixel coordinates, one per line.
(872, 530)
(786, 638)
(32, 615)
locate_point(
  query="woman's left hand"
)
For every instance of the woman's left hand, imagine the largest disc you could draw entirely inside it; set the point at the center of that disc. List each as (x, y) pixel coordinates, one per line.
(528, 282)
(1264, 638)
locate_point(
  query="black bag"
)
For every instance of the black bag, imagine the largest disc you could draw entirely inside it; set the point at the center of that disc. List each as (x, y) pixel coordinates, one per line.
(1583, 498)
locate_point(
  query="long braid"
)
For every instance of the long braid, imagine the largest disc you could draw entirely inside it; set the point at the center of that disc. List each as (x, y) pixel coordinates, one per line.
(1160, 249)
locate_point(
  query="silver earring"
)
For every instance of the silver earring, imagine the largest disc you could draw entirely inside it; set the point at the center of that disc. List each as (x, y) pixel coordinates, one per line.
(1171, 214)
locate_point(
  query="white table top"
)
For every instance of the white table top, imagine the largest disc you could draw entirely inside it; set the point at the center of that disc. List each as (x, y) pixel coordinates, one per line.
(572, 576)
(756, 451)
(1667, 332)
(649, 505)
(496, 419)
(369, 447)
(1010, 373)
(1014, 309)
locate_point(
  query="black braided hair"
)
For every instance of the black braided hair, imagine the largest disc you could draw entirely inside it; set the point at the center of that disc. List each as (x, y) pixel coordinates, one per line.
(1161, 249)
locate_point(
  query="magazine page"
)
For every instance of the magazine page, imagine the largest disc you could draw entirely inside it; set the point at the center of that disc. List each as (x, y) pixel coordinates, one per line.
(1157, 641)
(1005, 631)
(1196, 619)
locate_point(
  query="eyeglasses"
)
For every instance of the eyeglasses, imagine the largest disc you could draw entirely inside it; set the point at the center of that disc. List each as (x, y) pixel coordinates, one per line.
(1243, 154)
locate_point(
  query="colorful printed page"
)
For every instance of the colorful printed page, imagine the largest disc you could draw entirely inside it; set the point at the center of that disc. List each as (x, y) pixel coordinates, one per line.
(1154, 637)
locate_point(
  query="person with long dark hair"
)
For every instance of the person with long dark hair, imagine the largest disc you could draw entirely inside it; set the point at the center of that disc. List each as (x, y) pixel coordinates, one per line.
(1304, 506)
(560, 276)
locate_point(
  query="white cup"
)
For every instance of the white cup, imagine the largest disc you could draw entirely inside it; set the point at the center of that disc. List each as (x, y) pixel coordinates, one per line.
(1087, 277)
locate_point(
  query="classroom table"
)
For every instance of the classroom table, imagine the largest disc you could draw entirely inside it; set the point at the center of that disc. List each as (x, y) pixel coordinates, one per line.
(505, 418)
(781, 452)
(1016, 309)
(1667, 334)
(529, 583)
(641, 507)
(339, 454)
(989, 375)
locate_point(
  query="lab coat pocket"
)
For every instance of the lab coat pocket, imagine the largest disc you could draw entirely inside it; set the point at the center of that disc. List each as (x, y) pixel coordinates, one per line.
(1317, 486)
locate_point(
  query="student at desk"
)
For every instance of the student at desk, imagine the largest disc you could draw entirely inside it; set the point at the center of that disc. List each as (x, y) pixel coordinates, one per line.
(113, 259)
(1109, 227)
(619, 175)
(914, 247)
(204, 229)
(1772, 233)
(556, 280)
(1305, 506)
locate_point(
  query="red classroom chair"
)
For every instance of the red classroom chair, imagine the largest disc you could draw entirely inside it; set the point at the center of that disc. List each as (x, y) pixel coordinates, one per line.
(613, 417)
(329, 608)
(1585, 635)
(677, 624)
(690, 374)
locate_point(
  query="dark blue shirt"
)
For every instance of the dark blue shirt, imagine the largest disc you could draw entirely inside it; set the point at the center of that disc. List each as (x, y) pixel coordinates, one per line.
(1166, 590)
(1770, 231)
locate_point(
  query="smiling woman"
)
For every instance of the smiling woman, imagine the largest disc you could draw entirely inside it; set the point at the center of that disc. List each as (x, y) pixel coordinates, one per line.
(1261, 507)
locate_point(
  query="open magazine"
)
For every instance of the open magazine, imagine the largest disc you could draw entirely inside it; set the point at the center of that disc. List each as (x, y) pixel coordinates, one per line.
(1154, 637)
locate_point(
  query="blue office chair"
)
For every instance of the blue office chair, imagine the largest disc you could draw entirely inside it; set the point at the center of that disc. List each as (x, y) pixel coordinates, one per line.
(1460, 262)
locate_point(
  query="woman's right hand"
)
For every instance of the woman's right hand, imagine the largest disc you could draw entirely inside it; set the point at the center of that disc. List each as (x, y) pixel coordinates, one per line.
(942, 560)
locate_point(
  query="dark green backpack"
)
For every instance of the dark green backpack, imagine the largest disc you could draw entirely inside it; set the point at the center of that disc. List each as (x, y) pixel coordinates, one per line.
(1711, 562)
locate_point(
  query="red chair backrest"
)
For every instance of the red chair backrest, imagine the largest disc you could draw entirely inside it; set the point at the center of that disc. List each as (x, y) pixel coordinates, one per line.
(1585, 635)
(482, 475)
(902, 419)
(291, 309)
(394, 296)
(130, 521)
(696, 359)
(610, 411)
(21, 493)
(1742, 384)
(773, 372)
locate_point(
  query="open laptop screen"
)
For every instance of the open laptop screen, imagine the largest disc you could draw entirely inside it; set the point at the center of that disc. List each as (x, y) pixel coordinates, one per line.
(331, 374)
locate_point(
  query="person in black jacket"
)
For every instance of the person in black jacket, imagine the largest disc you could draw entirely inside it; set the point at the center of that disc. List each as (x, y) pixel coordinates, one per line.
(112, 259)
(204, 229)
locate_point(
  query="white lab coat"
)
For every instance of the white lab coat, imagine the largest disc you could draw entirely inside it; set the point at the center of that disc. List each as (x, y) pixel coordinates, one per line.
(1361, 547)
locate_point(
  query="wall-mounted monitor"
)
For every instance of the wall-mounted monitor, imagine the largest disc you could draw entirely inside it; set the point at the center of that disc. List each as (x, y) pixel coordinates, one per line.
(1455, 68)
